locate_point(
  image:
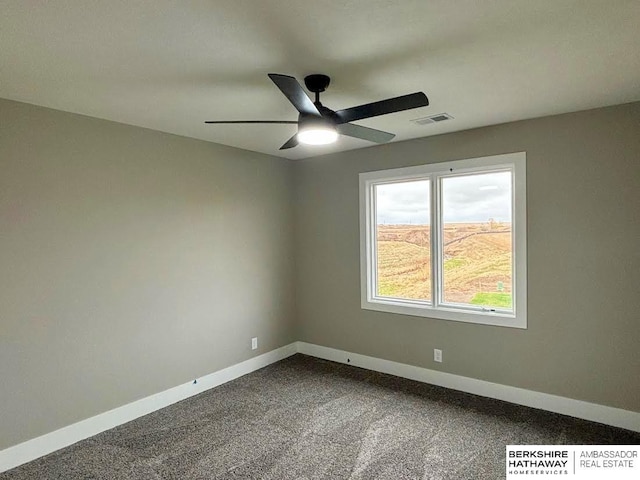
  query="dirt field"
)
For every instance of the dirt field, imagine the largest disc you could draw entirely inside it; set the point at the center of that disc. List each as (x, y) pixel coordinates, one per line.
(477, 263)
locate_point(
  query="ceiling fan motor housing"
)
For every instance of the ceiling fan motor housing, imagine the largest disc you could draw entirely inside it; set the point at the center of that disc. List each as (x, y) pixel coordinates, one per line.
(313, 121)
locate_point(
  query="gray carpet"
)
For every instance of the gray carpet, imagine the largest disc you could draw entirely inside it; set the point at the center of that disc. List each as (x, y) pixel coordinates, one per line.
(305, 418)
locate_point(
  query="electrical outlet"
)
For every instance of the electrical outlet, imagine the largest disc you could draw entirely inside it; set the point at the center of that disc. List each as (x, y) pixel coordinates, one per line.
(254, 343)
(437, 355)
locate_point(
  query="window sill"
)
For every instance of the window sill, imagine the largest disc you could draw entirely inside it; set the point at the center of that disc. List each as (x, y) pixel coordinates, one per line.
(420, 309)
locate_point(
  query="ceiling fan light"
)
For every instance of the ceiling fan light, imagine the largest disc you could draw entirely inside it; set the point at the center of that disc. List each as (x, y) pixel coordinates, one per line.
(317, 135)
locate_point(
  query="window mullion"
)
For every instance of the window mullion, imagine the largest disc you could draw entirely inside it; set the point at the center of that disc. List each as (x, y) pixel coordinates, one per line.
(436, 244)
(373, 241)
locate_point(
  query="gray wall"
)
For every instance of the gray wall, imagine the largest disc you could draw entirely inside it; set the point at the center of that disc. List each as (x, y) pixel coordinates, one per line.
(583, 189)
(130, 261)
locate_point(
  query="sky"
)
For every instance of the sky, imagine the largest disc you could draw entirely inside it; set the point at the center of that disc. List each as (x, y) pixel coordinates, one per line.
(469, 198)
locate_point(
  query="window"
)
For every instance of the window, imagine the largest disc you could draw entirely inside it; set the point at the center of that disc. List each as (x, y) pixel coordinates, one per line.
(447, 240)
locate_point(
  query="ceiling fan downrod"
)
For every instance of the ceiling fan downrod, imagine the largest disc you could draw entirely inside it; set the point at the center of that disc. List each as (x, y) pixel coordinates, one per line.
(317, 83)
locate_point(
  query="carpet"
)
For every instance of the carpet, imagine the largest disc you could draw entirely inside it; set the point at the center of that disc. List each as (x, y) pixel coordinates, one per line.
(305, 418)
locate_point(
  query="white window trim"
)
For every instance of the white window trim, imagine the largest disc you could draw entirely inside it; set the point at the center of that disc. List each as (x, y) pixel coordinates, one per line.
(515, 319)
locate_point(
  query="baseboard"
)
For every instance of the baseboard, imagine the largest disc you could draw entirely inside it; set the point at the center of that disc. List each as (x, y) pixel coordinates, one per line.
(50, 442)
(567, 406)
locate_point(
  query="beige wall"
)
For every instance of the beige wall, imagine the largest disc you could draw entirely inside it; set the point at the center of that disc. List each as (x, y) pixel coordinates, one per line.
(130, 261)
(583, 189)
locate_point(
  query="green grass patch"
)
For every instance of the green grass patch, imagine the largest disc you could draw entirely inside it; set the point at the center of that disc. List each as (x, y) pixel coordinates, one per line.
(487, 299)
(454, 263)
(389, 290)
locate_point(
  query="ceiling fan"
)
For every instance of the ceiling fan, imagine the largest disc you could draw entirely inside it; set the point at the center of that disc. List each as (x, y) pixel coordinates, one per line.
(318, 125)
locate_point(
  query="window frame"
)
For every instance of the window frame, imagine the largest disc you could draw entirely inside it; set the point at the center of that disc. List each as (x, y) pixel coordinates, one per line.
(435, 172)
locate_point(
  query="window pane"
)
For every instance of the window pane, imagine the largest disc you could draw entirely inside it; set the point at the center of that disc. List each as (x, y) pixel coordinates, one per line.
(403, 239)
(477, 240)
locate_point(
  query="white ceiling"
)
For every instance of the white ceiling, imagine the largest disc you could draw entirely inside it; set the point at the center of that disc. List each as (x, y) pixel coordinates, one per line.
(170, 65)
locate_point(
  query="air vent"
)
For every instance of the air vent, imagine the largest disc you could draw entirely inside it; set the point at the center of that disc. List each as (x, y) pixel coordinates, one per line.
(438, 117)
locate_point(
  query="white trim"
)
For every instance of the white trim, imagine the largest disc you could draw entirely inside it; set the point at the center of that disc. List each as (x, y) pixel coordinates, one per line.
(435, 172)
(50, 442)
(553, 403)
(31, 449)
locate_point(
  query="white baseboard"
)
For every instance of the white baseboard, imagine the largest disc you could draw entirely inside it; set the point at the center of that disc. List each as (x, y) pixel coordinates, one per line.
(567, 406)
(50, 442)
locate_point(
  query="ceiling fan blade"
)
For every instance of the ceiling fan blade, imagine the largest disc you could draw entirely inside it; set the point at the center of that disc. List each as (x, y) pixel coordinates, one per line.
(391, 105)
(252, 121)
(365, 133)
(294, 92)
(292, 142)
